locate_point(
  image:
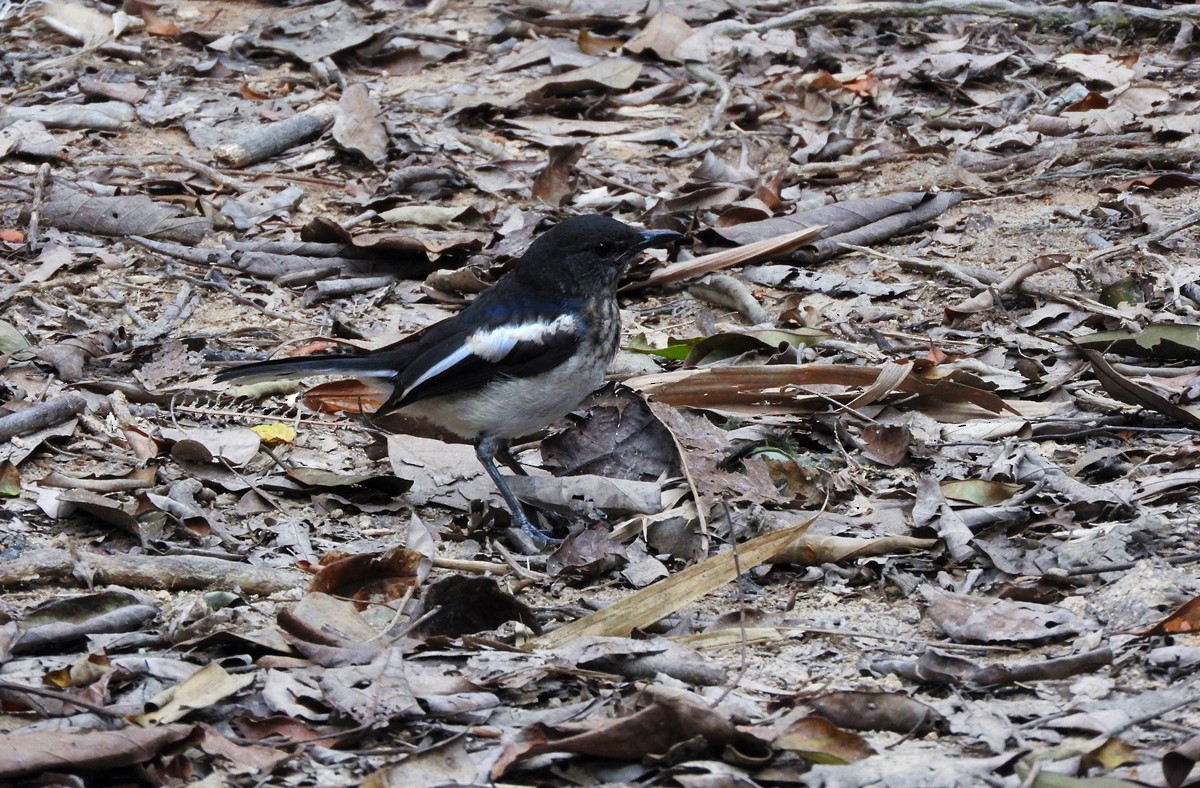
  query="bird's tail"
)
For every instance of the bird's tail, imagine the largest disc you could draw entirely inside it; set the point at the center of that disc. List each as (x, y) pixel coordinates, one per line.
(370, 366)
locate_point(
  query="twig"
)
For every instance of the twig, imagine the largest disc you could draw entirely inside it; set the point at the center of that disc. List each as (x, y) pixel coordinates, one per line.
(1163, 233)
(726, 291)
(332, 736)
(1136, 370)
(217, 282)
(1141, 243)
(584, 171)
(176, 314)
(854, 163)
(743, 655)
(1032, 775)
(104, 44)
(35, 208)
(1175, 560)
(805, 17)
(855, 633)
(521, 571)
(1175, 13)
(722, 85)
(271, 140)
(41, 416)
(911, 731)
(365, 216)
(946, 269)
(341, 288)
(1119, 729)
(983, 279)
(196, 255)
(474, 567)
(217, 178)
(128, 309)
(62, 697)
(163, 573)
(160, 160)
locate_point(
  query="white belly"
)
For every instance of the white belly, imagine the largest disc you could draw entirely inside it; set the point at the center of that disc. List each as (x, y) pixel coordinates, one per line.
(523, 406)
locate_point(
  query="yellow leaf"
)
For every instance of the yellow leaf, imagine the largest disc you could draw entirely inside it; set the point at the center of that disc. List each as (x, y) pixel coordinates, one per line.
(275, 434)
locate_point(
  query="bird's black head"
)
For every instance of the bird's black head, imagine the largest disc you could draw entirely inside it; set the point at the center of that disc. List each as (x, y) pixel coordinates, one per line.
(585, 254)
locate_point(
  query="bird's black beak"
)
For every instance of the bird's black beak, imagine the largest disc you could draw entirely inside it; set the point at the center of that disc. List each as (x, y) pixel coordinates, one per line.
(656, 238)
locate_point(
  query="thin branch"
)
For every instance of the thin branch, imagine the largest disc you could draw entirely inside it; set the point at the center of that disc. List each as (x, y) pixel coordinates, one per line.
(62, 697)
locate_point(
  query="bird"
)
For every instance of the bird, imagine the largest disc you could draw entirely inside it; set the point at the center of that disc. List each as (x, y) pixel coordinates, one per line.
(522, 355)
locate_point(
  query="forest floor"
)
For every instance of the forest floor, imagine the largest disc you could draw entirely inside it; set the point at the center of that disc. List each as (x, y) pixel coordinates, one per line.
(952, 429)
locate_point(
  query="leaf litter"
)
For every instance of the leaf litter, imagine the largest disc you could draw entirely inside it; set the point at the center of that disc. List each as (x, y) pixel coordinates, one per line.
(898, 488)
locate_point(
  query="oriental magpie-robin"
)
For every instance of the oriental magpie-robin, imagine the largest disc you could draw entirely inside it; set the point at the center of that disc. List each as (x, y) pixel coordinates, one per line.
(522, 355)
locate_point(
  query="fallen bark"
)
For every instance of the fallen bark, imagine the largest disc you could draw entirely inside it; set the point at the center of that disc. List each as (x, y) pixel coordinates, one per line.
(163, 572)
(41, 416)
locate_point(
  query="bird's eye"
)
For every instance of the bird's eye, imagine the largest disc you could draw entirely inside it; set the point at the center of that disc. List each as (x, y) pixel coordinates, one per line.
(603, 248)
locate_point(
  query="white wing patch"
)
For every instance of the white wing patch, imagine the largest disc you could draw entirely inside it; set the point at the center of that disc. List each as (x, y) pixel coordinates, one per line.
(494, 344)
(440, 367)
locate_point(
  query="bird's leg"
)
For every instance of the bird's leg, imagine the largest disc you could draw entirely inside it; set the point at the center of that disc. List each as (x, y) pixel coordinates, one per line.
(487, 449)
(510, 462)
(504, 455)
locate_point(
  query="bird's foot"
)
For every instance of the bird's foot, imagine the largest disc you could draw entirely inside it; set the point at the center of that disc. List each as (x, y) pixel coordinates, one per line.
(539, 538)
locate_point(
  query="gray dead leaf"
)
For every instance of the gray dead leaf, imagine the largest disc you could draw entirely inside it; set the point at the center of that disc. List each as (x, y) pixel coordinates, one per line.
(1116, 711)
(930, 510)
(915, 769)
(443, 474)
(795, 278)
(229, 479)
(642, 568)
(860, 222)
(295, 695)
(20, 447)
(314, 32)
(249, 210)
(30, 138)
(662, 35)
(1097, 68)
(235, 446)
(1027, 463)
(123, 216)
(1141, 596)
(559, 52)
(442, 764)
(986, 726)
(74, 352)
(545, 124)
(105, 510)
(1174, 658)
(356, 125)
(585, 556)
(63, 621)
(877, 711)
(970, 619)
(374, 694)
(104, 116)
(587, 494)
(642, 659)
(620, 438)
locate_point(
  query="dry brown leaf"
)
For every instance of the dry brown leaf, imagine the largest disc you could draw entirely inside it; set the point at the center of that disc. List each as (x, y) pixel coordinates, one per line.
(70, 751)
(779, 388)
(202, 689)
(1125, 390)
(757, 252)
(811, 550)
